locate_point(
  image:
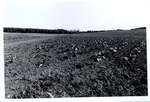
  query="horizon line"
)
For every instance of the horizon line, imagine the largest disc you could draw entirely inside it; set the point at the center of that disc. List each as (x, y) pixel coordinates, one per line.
(144, 27)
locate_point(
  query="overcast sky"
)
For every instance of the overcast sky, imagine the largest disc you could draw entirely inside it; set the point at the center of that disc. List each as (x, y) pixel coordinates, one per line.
(75, 14)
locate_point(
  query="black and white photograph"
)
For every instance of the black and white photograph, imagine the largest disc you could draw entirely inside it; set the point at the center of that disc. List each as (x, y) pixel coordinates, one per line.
(59, 63)
(75, 49)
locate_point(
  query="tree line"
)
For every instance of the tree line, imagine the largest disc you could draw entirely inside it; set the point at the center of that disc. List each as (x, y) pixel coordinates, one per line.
(31, 30)
(47, 31)
(52, 31)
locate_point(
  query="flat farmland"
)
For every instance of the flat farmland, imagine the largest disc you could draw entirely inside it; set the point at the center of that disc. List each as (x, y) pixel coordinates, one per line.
(111, 63)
